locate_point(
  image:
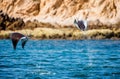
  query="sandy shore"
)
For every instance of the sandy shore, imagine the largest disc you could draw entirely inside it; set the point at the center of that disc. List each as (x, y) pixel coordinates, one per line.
(65, 33)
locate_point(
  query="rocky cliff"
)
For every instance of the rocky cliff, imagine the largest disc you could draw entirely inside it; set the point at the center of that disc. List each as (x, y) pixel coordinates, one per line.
(63, 12)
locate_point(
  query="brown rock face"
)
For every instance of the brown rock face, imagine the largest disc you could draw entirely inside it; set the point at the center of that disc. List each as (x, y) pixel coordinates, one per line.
(63, 12)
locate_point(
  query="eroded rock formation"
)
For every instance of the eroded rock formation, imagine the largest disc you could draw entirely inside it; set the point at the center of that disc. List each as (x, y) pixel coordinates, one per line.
(63, 12)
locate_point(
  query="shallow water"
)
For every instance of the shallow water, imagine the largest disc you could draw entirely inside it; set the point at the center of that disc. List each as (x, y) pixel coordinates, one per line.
(61, 59)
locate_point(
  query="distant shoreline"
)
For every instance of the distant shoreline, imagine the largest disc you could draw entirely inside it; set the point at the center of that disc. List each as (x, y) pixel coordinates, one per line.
(65, 33)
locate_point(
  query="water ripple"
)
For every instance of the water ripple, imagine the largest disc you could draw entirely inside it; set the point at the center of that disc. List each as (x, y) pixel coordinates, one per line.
(61, 59)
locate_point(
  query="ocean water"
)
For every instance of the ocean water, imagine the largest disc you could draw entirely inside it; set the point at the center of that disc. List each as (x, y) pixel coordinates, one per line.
(61, 59)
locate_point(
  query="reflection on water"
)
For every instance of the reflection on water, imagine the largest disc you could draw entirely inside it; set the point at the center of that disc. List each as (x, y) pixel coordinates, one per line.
(61, 59)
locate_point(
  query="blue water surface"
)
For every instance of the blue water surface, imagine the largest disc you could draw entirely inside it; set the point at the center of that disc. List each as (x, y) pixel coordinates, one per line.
(61, 59)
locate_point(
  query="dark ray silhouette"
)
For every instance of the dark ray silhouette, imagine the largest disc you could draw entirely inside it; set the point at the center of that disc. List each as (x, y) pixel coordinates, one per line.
(81, 24)
(15, 37)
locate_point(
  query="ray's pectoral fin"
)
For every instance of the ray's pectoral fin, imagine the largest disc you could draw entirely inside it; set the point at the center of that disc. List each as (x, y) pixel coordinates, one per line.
(24, 40)
(14, 41)
(23, 44)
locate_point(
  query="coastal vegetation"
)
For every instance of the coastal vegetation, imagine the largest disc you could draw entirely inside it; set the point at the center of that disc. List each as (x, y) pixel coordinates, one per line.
(65, 33)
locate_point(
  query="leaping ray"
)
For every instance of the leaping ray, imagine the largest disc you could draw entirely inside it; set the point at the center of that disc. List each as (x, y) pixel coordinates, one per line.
(81, 24)
(15, 37)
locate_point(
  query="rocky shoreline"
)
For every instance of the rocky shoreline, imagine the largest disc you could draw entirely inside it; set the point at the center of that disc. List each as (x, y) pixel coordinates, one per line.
(65, 33)
(39, 30)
